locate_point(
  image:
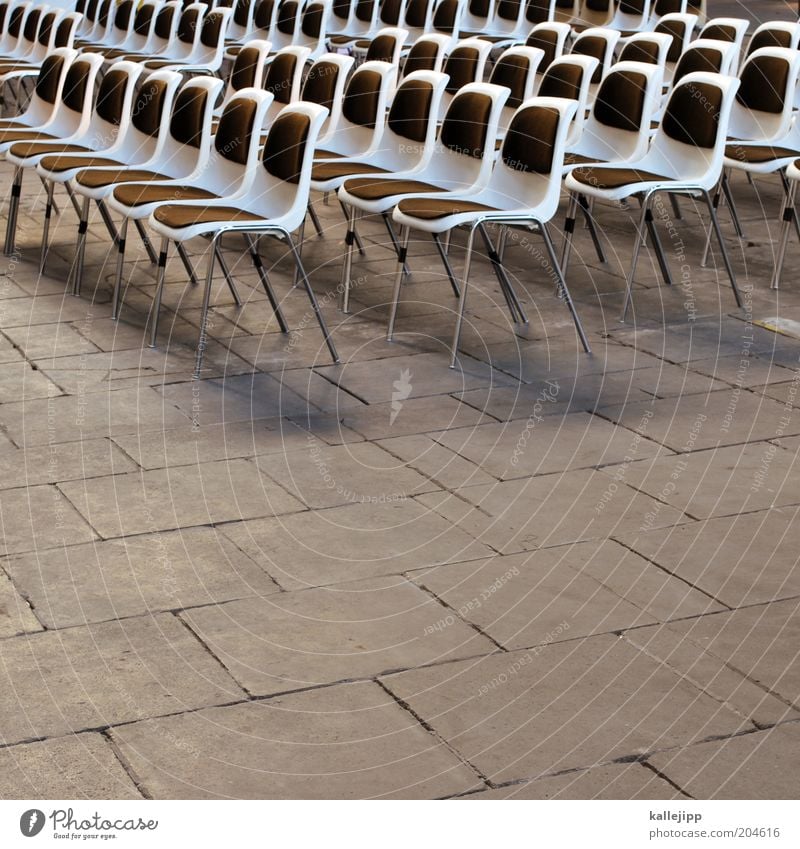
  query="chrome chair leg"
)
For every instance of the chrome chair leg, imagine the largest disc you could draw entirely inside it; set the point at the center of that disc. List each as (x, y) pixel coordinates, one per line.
(116, 299)
(446, 262)
(551, 252)
(641, 230)
(162, 272)
(255, 256)
(405, 234)
(463, 300)
(725, 256)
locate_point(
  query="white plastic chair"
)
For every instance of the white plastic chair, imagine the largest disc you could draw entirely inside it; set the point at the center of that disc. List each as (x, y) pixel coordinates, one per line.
(362, 24)
(209, 48)
(265, 14)
(185, 43)
(686, 157)
(274, 204)
(551, 38)
(570, 78)
(466, 64)
(631, 16)
(516, 70)
(593, 14)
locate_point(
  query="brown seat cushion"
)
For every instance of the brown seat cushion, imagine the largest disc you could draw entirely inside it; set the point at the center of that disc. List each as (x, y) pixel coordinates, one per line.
(614, 178)
(429, 209)
(758, 152)
(67, 163)
(334, 170)
(22, 135)
(96, 179)
(343, 39)
(179, 215)
(139, 195)
(327, 154)
(25, 149)
(368, 188)
(577, 158)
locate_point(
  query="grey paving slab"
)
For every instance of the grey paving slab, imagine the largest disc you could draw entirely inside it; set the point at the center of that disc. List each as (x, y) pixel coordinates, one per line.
(36, 518)
(751, 766)
(43, 309)
(81, 766)
(523, 515)
(85, 678)
(332, 476)
(352, 741)
(76, 417)
(614, 781)
(760, 642)
(745, 371)
(435, 461)
(694, 422)
(19, 380)
(573, 704)
(184, 496)
(399, 378)
(353, 542)
(719, 482)
(47, 341)
(89, 458)
(16, 616)
(739, 560)
(543, 445)
(301, 639)
(9, 353)
(114, 579)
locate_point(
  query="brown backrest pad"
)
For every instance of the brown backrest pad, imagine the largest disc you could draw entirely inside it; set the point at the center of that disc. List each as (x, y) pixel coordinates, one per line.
(508, 10)
(562, 80)
(632, 7)
(163, 26)
(564, 4)
(417, 13)
(640, 50)
(360, 104)
(186, 124)
(719, 32)
(390, 12)
(143, 19)
(381, 49)
(512, 72)
(285, 147)
(479, 8)
(32, 25)
(530, 142)
(235, 130)
(697, 59)
(763, 82)
(287, 16)
(461, 67)
(3, 13)
(64, 33)
(47, 80)
(537, 11)
(465, 125)
(597, 5)
(15, 21)
(677, 29)
(595, 46)
(123, 14)
(243, 74)
(341, 9)
(149, 107)
(421, 57)
(279, 77)
(212, 29)
(666, 7)
(241, 12)
(91, 10)
(546, 41)
(320, 84)
(444, 17)
(692, 115)
(410, 112)
(104, 10)
(364, 10)
(111, 96)
(262, 17)
(769, 38)
(187, 26)
(75, 85)
(620, 100)
(45, 29)
(311, 23)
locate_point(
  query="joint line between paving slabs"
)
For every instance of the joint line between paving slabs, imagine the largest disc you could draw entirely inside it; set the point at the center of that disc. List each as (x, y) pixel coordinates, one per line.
(125, 764)
(647, 765)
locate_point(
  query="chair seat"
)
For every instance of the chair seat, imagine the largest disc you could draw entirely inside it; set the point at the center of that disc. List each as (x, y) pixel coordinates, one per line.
(141, 195)
(7, 136)
(341, 39)
(9, 67)
(178, 216)
(58, 164)
(27, 148)
(431, 209)
(156, 64)
(758, 153)
(377, 189)
(327, 154)
(322, 171)
(616, 178)
(98, 179)
(577, 159)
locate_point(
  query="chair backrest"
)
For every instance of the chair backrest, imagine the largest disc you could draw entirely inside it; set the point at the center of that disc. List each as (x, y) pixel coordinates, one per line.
(287, 24)
(150, 115)
(531, 159)
(47, 89)
(539, 12)
(264, 17)
(551, 38)
(599, 43)
(725, 29)
(30, 31)
(66, 30)
(189, 139)
(426, 54)
(516, 70)
(391, 12)
(211, 45)
(680, 27)
(418, 17)
(693, 132)
(466, 63)
(190, 25)
(477, 15)
(668, 7)
(241, 21)
(595, 13)
(342, 13)
(284, 77)
(631, 15)
(314, 24)
(324, 84)
(144, 22)
(465, 149)
(248, 69)
(652, 48)
(113, 104)
(618, 128)
(281, 186)
(712, 57)
(762, 108)
(570, 78)
(775, 34)
(16, 22)
(122, 21)
(74, 110)
(166, 27)
(447, 19)
(387, 45)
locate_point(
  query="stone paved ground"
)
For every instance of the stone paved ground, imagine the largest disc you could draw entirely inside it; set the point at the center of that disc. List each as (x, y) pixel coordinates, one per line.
(543, 574)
